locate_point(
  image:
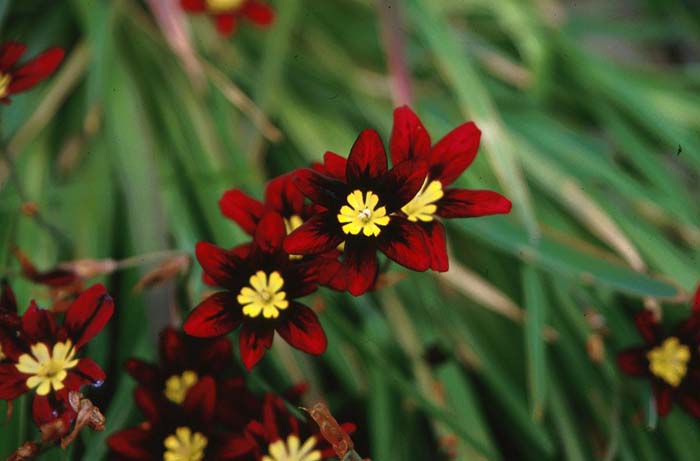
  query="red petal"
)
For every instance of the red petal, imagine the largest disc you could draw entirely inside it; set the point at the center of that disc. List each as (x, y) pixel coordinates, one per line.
(234, 446)
(144, 373)
(8, 301)
(219, 264)
(172, 347)
(634, 361)
(201, 399)
(225, 23)
(403, 183)
(435, 239)
(10, 52)
(270, 232)
(133, 444)
(334, 165)
(331, 272)
(321, 189)
(367, 157)
(454, 153)
(361, 264)
(404, 242)
(148, 402)
(409, 139)
(36, 70)
(38, 324)
(86, 373)
(647, 326)
(662, 395)
(696, 301)
(193, 5)
(259, 13)
(242, 209)
(303, 331)
(691, 403)
(88, 314)
(217, 315)
(12, 382)
(216, 353)
(253, 344)
(463, 203)
(283, 196)
(317, 235)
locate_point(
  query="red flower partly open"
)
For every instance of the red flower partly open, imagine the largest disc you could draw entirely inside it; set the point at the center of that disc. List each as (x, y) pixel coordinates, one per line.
(43, 355)
(261, 283)
(184, 432)
(671, 362)
(15, 79)
(184, 361)
(360, 209)
(279, 435)
(282, 196)
(227, 13)
(447, 159)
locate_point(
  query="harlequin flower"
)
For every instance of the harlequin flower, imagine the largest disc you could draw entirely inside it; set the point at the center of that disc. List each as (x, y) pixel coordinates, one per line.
(184, 432)
(45, 358)
(447, 159)
(360, 209)
(15, 79)
(279, 435)
(9, 321)
(184, 362)
(671, 362)
(282, 196)
(261, 284)
(227, 13)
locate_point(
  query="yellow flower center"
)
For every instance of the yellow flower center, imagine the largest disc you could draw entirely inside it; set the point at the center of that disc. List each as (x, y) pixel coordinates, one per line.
(48, 368)
(183, 445)
(293, 450)
(422, 207)
(669, 361)
(2, 354)
(218, 6)
(264, 295)
(5, 80)
(363, 214)
(177, 386)
(291, 224)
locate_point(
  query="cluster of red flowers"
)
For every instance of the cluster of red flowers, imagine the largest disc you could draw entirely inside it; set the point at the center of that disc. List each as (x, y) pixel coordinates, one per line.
(324, 225)
(196, 408)
(670, 361)
(227, 13)
(41, 356)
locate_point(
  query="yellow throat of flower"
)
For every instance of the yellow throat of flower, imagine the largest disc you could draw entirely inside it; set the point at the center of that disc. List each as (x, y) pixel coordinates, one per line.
(669, 361)
(293, 450)
(177, 386)
(5, 80)
(362, 214)
(220, 6)
(2, 354)
(47, 368)
(264, 295)
(184, 445)
(422, 207)
(291, 224)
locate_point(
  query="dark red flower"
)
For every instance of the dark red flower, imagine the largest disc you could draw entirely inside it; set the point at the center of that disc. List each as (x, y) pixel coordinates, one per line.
(9, 322)
(671, 362)
(184, 361)
(360, 210)
(279, 436)
(227, 13)
(185, 432)
(15, 79)
(43, 355)
(447, 159)
(282, 196)
(262, 283)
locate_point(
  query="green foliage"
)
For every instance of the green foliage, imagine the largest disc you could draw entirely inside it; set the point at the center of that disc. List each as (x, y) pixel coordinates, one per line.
(590, 116)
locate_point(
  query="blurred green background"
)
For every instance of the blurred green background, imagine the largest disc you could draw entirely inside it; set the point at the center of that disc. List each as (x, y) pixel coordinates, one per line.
(590, 112)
